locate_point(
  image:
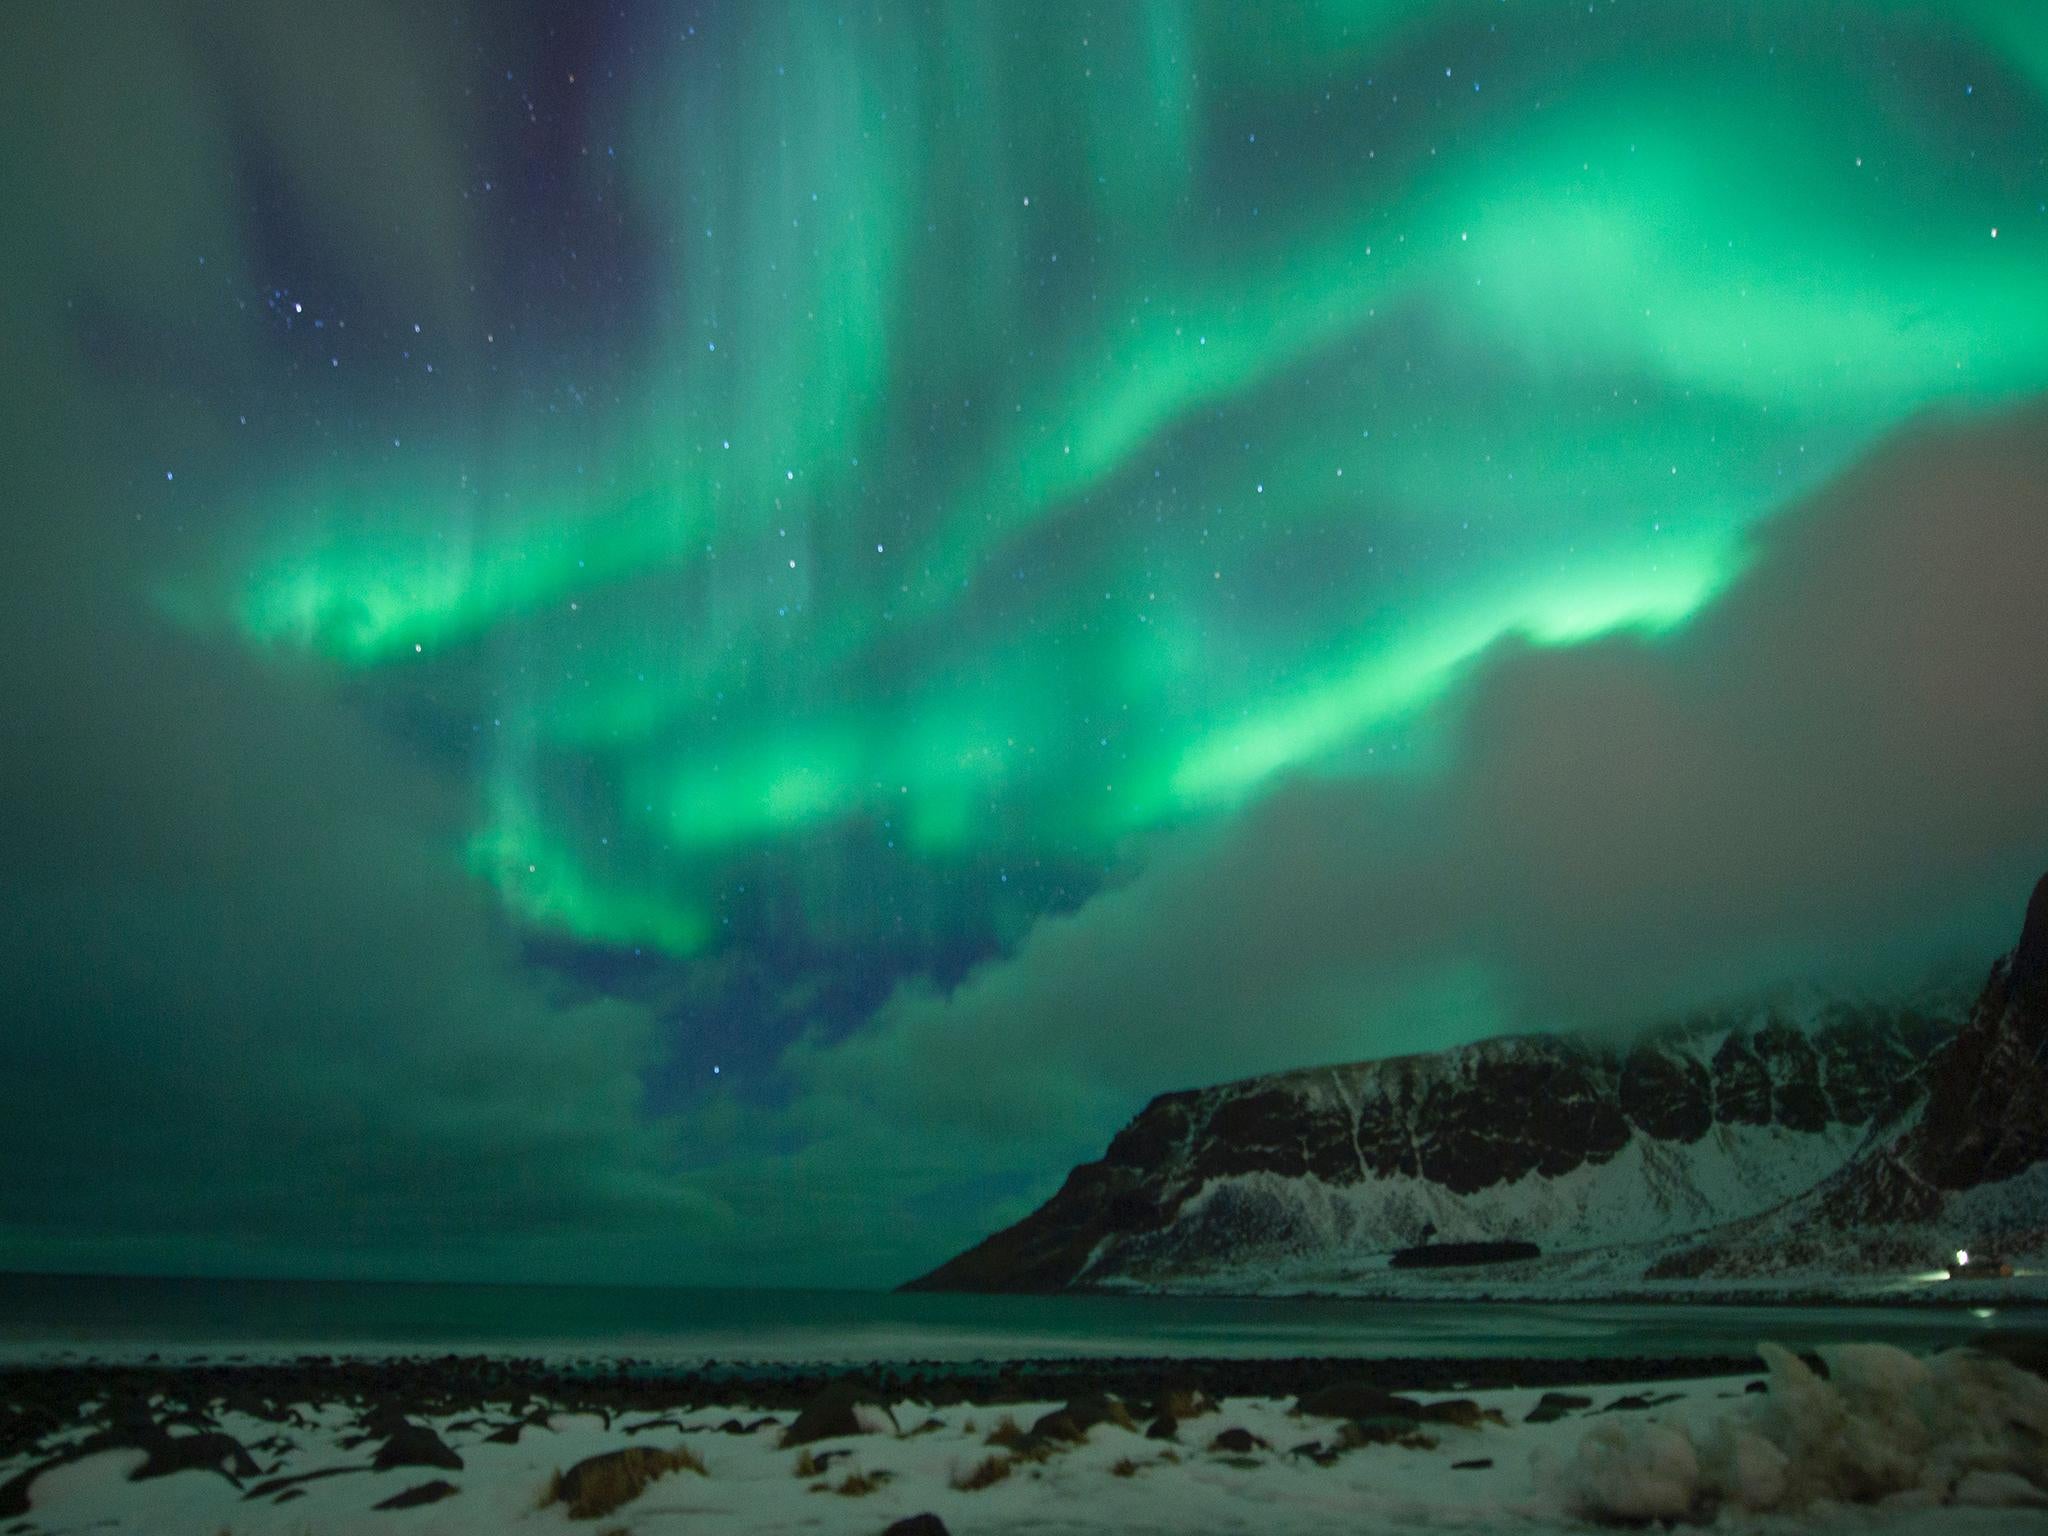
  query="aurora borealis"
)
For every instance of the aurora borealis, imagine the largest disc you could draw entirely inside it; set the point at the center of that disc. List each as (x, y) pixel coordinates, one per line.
(761, 536)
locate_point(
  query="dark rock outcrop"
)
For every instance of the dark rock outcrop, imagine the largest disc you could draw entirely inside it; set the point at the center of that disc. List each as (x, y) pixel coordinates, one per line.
(422, 1493)
(1460, 1255)
(842, 1408)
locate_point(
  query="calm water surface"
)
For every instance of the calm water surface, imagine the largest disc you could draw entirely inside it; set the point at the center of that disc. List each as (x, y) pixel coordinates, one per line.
(52, 1317)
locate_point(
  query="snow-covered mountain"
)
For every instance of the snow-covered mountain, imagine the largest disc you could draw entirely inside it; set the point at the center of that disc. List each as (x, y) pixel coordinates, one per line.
(1965, 1163)
(1818, 1142)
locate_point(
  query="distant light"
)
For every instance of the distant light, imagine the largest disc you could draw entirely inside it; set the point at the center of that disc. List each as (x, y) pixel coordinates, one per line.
(1962, 1257)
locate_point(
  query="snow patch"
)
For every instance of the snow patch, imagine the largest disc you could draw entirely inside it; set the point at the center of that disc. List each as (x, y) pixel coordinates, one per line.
(1882, 1427)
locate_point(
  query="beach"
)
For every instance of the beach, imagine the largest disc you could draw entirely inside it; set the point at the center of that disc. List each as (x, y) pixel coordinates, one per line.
(459, 1444)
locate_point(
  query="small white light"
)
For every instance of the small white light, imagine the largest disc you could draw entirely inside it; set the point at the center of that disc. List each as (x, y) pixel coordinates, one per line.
(1962, 1257)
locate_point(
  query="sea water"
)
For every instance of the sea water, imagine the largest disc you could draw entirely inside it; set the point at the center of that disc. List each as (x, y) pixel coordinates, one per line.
(50, 1318)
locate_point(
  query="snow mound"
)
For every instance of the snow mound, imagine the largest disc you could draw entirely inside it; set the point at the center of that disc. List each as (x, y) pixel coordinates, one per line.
(1880, 1427)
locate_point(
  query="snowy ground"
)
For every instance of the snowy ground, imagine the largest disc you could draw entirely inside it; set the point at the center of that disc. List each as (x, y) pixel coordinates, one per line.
(1956, 1444)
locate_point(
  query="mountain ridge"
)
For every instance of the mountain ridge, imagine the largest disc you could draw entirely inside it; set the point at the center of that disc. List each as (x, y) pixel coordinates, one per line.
(1644, 1162)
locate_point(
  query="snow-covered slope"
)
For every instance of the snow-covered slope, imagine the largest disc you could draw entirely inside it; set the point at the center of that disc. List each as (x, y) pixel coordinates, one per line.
(1967, 1165)
(1821, 1142)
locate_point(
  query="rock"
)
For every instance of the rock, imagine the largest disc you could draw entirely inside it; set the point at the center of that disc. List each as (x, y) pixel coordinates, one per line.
(1459, 1412)
(415, 1445)
(918, 1525)
(1082, 1414)
(1666, 1094)
(1636, 1402)
(209, 1451)
(1070, 1423)
(1477, 1464)
(1742, 1084)
(1384, 1431)
(1553, 1406)
(1165, 1427)
(1059, 1426)
(1237, 1441)
(597, 1485)
(1356, 1400)
(842, 1408)
(1463, 1255)
(422, 1493)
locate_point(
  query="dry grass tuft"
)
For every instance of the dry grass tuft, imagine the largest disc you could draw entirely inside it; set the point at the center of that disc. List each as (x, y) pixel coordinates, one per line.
(986, 1473)
(1006, 1434)
(858, 1483)
(598, 1485)
(806, 1464)
(1124, 1468)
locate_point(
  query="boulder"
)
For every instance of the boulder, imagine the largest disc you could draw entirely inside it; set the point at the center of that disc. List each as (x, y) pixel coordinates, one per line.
(1237, 1441)
(842, 1408)
(415, 1445)
(1356, 1400)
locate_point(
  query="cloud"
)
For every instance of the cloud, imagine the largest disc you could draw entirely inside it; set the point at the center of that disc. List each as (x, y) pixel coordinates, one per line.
(257, 1016)
(1841, 767)
(255, 1008)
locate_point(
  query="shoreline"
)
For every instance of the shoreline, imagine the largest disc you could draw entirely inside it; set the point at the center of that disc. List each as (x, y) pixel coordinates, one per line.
(2027, 1296)
(455, 1383)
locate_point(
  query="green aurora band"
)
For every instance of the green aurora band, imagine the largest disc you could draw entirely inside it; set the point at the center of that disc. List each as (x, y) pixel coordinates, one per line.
(1031, 432)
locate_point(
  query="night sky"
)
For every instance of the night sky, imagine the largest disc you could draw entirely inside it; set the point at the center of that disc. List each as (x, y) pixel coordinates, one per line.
(699, 643)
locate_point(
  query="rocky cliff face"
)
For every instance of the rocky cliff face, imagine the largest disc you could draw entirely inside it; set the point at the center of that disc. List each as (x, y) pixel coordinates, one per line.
(1300, 1178)
(1811, 1146)
(1967, 1166)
